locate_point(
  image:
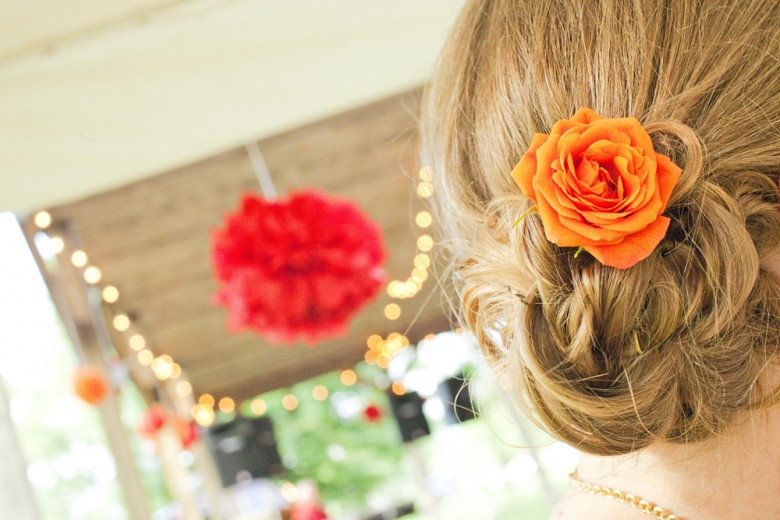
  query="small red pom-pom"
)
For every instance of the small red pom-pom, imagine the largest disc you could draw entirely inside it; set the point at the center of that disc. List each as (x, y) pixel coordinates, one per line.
(299, 267)
(90, 384)
(372, 413)
(152, 421)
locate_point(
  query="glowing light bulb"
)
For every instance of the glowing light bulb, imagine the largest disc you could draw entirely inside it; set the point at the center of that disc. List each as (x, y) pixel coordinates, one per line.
(373, 341)
(370, 357)
(393, 288)
(162, 367)
(57, 244)
(398, 388)
(121, 322)
(42, 219)
(184, 388)
(392, 311)
(227, 405)
(424, 243)
(423, 219)
(92, 274)
(203, 415)
(424, 189)
(290, 402)
(145, 357)
(422, 261)
(110, 294)
(258, 407)
(79, 258)
(419, 275)
(320, 393)
(348, 377)
(137, 342)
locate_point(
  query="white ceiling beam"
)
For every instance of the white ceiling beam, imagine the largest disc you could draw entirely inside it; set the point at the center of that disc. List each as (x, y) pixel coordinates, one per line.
(145, 98)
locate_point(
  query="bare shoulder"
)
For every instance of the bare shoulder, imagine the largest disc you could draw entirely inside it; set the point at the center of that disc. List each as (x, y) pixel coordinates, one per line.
(582, 506)
(569, 507)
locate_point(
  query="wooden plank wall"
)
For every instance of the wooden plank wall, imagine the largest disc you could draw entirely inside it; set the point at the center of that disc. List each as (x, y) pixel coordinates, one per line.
(152, 240)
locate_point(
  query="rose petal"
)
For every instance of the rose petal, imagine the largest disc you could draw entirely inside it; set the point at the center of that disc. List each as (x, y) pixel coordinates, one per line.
(599, 131)
(556, 232)
(594, 234)
(546, 156)
(526, 169)
(602, 218)
(634, 130)
(634, 248)
(566, 205)
(632, 189)
(585, 115)
(638, 219)
(549, 187)
(568, 142)
(563, 126)
(643, 166)
(587, 171)
(596, 202)
(668, 175)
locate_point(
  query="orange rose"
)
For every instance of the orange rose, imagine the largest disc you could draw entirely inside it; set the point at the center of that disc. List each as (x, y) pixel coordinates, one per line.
(598, 184)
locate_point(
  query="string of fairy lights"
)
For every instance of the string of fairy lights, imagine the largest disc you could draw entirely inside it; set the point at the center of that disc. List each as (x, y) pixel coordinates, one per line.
(380, 350)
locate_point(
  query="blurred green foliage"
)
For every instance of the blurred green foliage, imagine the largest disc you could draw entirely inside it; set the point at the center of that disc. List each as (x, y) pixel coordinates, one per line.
(346, 455)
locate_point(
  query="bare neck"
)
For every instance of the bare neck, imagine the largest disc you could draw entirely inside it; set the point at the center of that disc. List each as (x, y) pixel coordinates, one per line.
(734, 476)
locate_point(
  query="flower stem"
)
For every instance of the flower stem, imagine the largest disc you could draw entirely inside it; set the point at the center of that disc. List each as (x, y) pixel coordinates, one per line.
(532, 209)
(636, 344)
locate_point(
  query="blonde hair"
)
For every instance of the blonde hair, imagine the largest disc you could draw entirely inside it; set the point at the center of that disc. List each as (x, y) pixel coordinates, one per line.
(673, 348)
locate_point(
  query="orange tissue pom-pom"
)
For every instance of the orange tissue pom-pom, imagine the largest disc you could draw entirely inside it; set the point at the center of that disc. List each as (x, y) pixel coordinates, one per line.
(90, 384)
(188, 432)
(598, 184)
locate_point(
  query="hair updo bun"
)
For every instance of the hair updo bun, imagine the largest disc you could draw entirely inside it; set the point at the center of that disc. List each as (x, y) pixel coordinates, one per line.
(673, 348)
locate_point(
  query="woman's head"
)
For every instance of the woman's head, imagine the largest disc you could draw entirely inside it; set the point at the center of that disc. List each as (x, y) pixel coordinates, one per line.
(673, 348)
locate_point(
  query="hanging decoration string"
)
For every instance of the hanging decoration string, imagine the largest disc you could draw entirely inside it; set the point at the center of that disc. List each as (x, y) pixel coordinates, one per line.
(261, 171)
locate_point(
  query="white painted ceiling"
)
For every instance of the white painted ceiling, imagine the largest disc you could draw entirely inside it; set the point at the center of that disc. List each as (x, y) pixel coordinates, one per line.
(96, 94)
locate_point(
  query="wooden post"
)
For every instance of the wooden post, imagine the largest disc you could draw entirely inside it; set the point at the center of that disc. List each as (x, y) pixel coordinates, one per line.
(118, 442)
(211, 482)
(80, 311)
(16, 493)
(177, 477)
(204, 462)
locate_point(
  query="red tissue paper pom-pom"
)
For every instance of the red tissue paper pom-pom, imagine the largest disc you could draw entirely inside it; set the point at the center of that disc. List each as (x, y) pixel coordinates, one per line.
(299, 267)
(372, 413)
(152, 421)
(90, 384)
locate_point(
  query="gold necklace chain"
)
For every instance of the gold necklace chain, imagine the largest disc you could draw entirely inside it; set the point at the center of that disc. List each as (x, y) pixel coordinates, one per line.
(621, 496)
